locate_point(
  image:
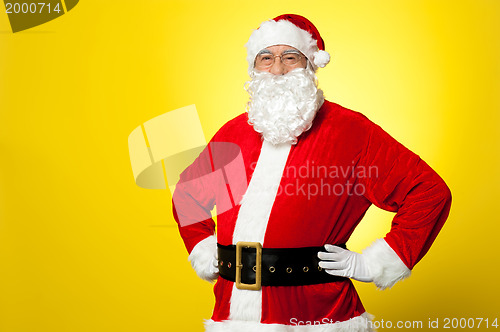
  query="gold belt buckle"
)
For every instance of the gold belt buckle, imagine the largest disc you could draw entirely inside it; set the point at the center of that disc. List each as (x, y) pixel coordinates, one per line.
(258, 275)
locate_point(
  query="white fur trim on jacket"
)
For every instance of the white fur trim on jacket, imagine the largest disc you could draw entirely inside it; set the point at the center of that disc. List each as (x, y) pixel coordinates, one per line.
(202, 258)
(356, 324)
(283, 32)
(251, 225)
(385, 265)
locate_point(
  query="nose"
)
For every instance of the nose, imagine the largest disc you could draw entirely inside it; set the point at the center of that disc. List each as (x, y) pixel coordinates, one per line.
(277, 68)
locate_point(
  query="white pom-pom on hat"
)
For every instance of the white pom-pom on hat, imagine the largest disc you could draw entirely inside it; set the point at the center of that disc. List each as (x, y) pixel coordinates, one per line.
(321, 58)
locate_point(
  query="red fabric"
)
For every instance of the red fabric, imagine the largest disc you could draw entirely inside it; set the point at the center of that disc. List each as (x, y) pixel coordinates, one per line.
(323, 195)
(304, 24)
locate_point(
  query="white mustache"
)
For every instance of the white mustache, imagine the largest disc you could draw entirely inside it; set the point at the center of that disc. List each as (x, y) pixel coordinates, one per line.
(282, 107)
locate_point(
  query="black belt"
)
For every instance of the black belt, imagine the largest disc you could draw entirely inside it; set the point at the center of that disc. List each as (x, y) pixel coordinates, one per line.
(278, 266)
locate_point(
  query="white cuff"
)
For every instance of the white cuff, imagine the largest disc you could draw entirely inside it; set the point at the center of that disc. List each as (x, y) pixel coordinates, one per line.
(385, 265)
(202, 258)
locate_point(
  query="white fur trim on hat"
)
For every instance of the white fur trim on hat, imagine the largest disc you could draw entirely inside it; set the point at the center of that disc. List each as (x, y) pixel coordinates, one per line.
(284, 32)
(385, 265)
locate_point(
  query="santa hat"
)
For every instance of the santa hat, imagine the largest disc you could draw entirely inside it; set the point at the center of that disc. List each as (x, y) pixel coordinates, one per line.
(292, 30)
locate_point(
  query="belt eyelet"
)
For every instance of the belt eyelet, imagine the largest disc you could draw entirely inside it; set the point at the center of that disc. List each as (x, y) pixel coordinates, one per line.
(254, 268)
(272, 269)
(305, 269)
(229, 265)
(288, 270)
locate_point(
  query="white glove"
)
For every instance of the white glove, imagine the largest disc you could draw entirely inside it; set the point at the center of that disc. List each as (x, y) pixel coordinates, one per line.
(203, 258)
(214, 267)
(344, 263)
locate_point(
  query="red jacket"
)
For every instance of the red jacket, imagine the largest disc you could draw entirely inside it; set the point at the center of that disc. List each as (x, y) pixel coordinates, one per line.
(338, 168)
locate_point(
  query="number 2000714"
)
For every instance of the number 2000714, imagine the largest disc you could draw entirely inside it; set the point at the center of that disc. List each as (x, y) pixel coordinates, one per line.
(454, 323)
(32, 8)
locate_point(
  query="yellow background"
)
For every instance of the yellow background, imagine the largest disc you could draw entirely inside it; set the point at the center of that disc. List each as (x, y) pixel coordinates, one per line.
(82, 248)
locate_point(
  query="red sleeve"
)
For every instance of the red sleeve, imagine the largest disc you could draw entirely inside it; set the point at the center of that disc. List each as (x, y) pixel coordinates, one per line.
(192, 201)
(401, 182)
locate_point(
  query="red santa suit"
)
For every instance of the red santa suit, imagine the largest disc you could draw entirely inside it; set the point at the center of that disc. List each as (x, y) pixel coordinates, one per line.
(311, 194)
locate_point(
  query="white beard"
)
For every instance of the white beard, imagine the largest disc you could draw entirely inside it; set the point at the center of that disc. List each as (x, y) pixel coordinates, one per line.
(282, 107)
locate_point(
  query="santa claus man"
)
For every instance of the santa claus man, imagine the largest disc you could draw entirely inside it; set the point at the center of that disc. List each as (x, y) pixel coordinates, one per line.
(311, 169)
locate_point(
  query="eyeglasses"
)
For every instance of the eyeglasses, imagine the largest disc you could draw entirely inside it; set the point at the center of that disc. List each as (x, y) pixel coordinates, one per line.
(266, 60)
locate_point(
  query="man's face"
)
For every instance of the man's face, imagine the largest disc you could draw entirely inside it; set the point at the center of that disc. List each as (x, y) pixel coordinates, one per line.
(268, 59)
(282, 107)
